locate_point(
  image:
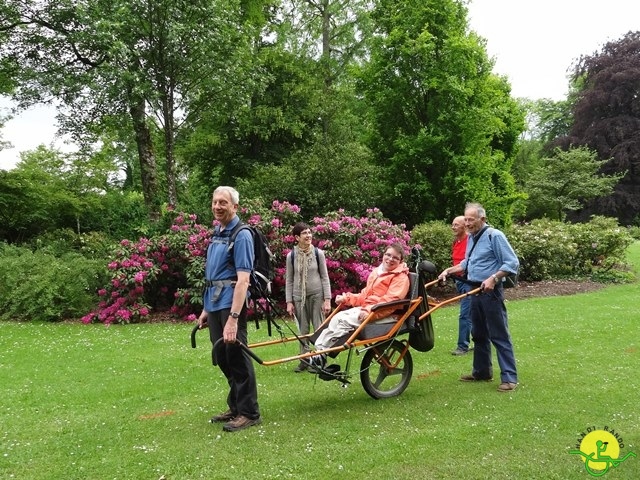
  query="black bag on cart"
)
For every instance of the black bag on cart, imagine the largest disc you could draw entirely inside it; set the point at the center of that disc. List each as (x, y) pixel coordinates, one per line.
(421, 336)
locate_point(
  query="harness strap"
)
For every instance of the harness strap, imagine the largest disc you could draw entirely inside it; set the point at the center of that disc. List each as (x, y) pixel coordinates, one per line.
(219, 285)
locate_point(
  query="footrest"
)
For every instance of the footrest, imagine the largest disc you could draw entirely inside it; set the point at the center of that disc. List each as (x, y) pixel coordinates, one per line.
(329, 372)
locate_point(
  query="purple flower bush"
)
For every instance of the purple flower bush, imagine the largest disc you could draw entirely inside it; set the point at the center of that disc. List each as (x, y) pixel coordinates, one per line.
(166, 273)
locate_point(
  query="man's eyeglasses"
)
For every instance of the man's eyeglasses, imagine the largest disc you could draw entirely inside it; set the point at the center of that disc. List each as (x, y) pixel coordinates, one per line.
(392, 257)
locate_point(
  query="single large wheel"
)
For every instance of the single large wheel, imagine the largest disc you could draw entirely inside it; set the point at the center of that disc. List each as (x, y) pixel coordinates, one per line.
(384, 372)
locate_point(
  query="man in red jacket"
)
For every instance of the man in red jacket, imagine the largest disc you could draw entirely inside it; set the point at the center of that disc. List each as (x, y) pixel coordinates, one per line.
(386, 283)
(458, 252)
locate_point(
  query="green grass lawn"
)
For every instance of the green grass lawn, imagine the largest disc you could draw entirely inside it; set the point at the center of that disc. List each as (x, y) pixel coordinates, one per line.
(133, 402)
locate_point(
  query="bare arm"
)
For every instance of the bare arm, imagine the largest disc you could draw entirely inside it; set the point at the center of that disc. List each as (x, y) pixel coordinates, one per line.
(239, 297)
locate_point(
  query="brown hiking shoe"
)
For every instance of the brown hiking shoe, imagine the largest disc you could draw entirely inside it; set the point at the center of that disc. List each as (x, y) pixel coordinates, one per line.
(223, 417)
(471, 378)
(507, 387)
(241, 422)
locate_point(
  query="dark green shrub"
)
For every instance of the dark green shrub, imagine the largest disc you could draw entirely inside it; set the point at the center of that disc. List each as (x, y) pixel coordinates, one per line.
(552, 249)
(96, 245)
(118, 214)
(435, 238)
(40, 286)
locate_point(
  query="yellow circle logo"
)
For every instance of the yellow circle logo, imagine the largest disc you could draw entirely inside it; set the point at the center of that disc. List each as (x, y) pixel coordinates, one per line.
(600, 450)
(600, 442)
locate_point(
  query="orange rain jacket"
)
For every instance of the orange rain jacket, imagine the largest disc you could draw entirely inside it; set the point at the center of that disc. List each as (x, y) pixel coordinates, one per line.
(381, 288)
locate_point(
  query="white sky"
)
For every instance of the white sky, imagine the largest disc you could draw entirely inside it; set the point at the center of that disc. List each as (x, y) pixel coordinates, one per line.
(533, 43)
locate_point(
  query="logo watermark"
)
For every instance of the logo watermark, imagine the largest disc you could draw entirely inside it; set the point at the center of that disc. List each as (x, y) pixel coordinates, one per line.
(600, 450)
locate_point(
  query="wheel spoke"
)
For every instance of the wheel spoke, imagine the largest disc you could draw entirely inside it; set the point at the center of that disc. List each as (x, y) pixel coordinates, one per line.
(386, 372)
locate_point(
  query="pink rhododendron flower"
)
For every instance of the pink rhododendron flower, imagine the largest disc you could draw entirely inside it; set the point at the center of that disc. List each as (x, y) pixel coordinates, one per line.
(352, 245)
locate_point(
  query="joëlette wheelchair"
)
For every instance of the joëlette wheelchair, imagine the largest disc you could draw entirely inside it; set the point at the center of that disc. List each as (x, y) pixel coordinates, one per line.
(387, 366)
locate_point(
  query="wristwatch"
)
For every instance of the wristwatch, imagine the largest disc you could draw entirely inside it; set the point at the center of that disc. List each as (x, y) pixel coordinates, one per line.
(234, 314)
(495, 279)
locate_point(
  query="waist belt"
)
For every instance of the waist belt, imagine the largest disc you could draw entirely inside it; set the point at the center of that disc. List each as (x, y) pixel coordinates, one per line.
(218, 285)
(466, 281)
(479, 284)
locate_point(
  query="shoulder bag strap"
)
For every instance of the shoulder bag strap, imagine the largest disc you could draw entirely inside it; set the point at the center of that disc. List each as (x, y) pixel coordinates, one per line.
(475, 242)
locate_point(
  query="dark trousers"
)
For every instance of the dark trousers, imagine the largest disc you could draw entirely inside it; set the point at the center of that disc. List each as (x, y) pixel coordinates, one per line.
(464, 318)
(489, 325)
(236, 365)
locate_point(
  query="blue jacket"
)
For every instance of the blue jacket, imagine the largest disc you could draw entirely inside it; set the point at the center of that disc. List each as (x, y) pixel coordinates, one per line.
(219, 265)
(492, 253)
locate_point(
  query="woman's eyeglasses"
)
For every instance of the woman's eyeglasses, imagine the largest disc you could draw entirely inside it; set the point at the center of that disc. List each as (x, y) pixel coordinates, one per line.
(392, 257)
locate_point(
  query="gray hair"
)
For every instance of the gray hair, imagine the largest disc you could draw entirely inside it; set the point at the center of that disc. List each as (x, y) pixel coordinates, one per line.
(480, 211)
(233, 193)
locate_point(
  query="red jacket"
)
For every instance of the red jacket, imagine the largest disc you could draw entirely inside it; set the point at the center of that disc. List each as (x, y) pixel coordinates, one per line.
(458, 252)
(381, 288)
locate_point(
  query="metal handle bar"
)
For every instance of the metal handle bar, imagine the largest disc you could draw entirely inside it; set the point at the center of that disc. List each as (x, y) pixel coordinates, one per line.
(247, 350)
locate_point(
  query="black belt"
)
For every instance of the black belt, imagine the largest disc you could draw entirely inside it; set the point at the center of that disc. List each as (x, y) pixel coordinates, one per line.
(467, 282)
(479, 284)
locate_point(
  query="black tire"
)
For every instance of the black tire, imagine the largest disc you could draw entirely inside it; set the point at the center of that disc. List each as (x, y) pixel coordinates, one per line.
(378, 376)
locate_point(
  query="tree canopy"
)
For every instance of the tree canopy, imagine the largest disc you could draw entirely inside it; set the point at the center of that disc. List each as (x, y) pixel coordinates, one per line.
(444, 126)
(565, 181)
(606, 118)
(146, 67)
(325, 104)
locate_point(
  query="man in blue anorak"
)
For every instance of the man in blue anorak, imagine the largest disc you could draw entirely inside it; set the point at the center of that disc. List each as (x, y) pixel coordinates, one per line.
(227, 276)
(488, 260)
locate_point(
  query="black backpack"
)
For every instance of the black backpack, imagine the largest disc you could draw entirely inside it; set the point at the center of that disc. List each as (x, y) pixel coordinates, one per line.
(262, 273)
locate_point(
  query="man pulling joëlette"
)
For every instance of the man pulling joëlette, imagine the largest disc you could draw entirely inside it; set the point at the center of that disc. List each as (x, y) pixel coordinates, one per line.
(489, 258)
(227, 273)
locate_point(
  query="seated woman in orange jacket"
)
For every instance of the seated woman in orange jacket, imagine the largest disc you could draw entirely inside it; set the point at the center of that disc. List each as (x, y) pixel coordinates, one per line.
(386, 283)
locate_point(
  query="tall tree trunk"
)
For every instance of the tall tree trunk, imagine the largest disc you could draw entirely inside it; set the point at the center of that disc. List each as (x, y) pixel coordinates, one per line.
(148, 170)
(326, 61)
(169, 142)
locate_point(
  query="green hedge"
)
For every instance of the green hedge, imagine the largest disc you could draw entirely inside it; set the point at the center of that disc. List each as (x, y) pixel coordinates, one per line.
(60, 278)
(435, 238)
(43, 287)
(551, 249)
(547, 249)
